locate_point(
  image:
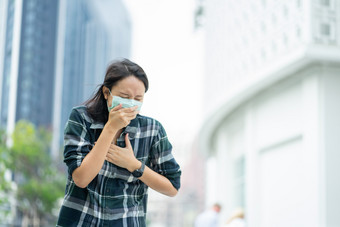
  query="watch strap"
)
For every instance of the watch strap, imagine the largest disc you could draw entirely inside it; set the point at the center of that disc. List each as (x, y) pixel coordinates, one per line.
(139, 172)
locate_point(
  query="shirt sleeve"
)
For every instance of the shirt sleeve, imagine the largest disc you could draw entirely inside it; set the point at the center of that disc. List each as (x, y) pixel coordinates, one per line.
(76, 143)
(162, 160)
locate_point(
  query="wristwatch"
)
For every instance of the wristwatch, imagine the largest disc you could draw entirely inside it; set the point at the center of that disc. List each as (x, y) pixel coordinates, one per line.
(139, 172)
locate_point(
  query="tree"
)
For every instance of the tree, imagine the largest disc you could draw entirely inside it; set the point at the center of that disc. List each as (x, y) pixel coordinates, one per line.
(39, 182)
(5, 184)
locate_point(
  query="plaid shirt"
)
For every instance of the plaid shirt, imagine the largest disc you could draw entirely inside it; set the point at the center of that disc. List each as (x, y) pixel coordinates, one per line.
(114, 197)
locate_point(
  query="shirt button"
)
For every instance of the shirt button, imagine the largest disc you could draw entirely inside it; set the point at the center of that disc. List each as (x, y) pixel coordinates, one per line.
(108, 190)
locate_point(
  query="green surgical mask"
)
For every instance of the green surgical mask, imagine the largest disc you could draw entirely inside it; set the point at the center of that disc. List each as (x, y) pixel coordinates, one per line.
(126, 103)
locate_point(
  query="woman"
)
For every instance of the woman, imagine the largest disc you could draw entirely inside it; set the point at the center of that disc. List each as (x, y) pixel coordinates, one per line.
(113, 154)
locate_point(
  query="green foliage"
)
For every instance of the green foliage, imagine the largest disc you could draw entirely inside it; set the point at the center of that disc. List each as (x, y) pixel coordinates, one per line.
(4, 152)
(39, 183)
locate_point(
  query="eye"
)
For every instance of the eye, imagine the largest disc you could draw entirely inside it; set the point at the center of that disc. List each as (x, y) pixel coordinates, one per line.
(124, 95)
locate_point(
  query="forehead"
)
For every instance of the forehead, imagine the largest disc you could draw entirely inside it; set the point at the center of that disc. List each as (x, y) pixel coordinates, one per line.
(130, 84)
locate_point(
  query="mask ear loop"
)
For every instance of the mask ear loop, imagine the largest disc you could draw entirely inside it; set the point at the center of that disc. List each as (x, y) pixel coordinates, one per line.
(110, 93)
(112, 99)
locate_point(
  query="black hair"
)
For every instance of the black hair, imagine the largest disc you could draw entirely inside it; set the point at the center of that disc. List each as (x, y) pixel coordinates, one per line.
(116, 71)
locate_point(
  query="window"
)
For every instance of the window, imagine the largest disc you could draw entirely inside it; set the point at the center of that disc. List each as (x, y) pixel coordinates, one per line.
(298, 4)
(274, 47)
(263, 27)
(239, 182)
(325, 2)
(285, 11)
(263, 54)
(273, 19)
(298, 31)
(285, 40)
(325, 29)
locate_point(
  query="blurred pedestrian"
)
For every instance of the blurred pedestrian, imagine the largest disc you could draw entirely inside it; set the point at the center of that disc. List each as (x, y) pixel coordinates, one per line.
(236, 219)
(209, 218)
(114, 154)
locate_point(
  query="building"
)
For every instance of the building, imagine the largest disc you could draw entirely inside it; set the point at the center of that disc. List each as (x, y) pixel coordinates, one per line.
(27, 71)
(90, 36)
(53, 54)
(273, 85)
(27, 64)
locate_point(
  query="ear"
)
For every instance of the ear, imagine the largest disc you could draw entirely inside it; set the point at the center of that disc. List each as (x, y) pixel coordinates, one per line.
(105, 91)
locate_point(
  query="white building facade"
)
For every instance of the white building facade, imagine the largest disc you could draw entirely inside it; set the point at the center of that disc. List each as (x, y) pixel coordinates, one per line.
(273, 91)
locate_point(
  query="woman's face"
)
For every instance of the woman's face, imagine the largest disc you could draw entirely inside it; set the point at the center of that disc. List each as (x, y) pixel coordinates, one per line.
(129, 88)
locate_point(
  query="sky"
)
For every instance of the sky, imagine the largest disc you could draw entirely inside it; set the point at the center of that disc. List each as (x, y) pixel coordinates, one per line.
(166, 46)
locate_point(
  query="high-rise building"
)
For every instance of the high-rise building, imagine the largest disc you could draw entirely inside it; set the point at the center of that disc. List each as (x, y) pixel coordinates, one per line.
(7, 50)
(3, 25)
(28, 62)
(53, 54)
(41, 83)
(91, 34)
(273, 90)
(27, 65)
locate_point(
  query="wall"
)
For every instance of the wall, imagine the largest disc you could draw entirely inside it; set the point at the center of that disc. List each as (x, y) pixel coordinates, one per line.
(271, 152)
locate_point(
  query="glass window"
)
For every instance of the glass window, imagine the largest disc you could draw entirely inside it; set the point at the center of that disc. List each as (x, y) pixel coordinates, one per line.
(239, 182)
(325, 29)
(285, 11)
(325, 2)
(298, 3)
(298, 31)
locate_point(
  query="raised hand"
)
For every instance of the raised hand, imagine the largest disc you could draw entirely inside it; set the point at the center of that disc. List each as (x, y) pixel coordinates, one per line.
(120, 117)
(123, 156)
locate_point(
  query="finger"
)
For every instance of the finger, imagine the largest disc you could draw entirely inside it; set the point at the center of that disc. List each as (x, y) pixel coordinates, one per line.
(130, 109)
(118, 107)
(114, 147)
(109, 155)
(109, 159)
(130, 116)
(127, 141)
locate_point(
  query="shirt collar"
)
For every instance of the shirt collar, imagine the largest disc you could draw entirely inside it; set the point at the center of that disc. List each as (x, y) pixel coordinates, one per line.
(132, 128)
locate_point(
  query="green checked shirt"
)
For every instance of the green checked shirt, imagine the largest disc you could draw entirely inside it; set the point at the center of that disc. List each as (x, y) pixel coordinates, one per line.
(114, 197)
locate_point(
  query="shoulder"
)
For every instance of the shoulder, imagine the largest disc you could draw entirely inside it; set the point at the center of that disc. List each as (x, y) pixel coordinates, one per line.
(148, 121)
(80, 115)
(79, 110)
(152, 125)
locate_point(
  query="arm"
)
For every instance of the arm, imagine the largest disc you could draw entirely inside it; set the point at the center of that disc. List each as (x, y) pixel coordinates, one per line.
(158, 182)
(94, 160)
(124, 157)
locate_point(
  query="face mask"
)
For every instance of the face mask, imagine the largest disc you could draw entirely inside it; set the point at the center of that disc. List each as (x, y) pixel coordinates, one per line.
(126, 103)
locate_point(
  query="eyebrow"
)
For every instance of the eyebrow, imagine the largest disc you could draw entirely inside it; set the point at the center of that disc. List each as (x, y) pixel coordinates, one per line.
(122, 93)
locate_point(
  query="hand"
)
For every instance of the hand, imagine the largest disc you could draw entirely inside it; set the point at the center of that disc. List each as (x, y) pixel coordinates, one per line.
(123, 157)
(120, 117)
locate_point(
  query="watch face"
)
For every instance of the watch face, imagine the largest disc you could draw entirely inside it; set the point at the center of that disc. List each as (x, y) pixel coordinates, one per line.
(137, 173)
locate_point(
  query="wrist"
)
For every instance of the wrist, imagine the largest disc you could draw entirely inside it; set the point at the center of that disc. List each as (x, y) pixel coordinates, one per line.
(110, 129)
(135, 165)
(139, 172)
